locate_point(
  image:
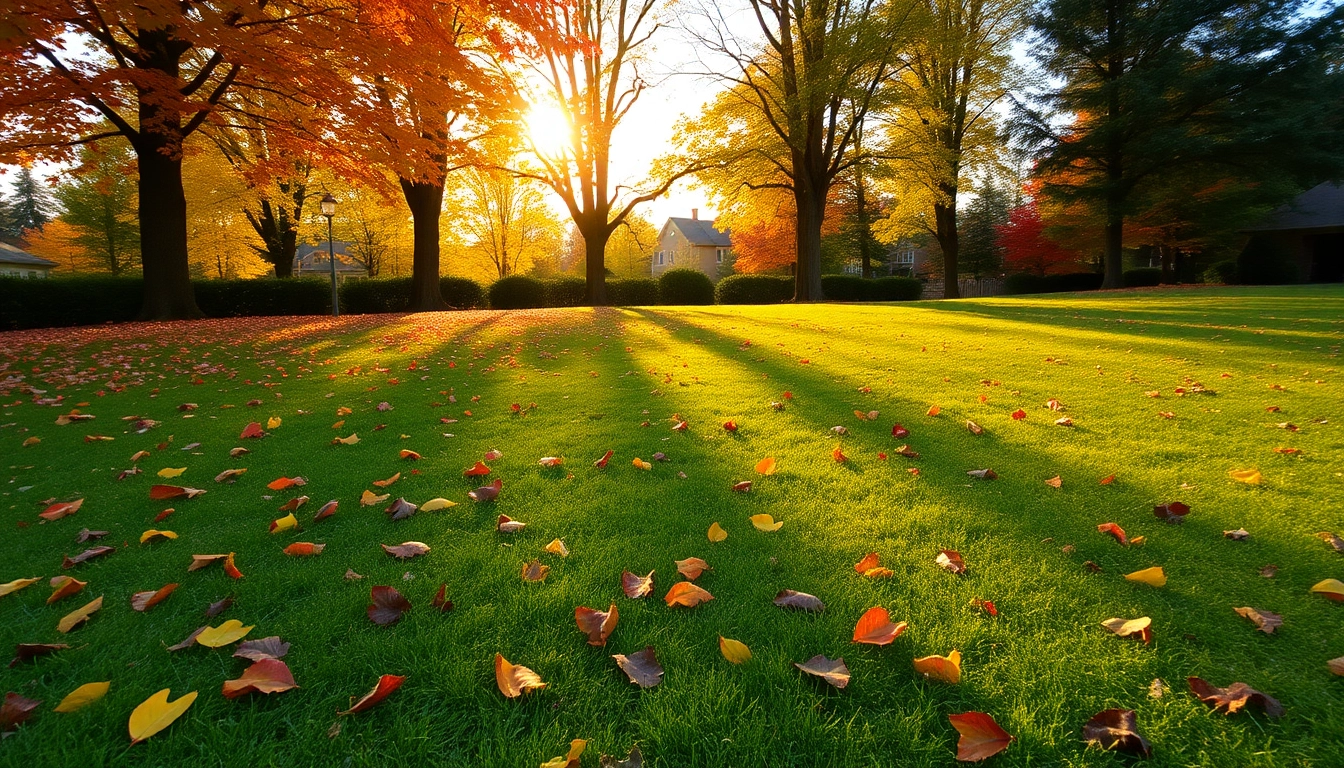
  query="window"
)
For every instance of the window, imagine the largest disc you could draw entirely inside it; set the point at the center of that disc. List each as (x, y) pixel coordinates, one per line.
(905, 257)
(671, 257)
(719, 254)
(659, 256)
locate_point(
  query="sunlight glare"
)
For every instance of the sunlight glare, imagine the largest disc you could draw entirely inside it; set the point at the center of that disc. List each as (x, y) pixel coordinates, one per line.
(548, 130)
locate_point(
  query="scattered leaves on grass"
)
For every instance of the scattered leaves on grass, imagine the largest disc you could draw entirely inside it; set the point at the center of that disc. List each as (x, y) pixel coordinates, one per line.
(764, 522)
(229, 632)
(685, 594)
(869, 567)
(1336, 665)
(716, 533)
(1054, 482)
(1140, 627)
(200, 561)
(636, 587)
(736, 651)
(597, 625)
(1335, 542)
(190, 641)
(944, 668)
(265, 676)
(514, 679)
(406, 549)
(641, 464)
(387, 482)
(83, 696)
(371, 499)
(1116, 729)
(642, 668)
(294, 504)
(487, 492)
(1234, 697)
(742, 487)
(434, 505)
(230, 475)
(876, 628)
(602, 462)
(385, 686)
(535, 570)
(143, 601)
(950, 560)
(1153, 577)
(287, 523)
(156, 713)
(441, 600)
(973, 428)
(1330, 589)
(351, 440)
(981, 737)
(556, 547)
(1116, 531)
(551, 462)
(1263, 620)
(799, 601)
(1171, 512)
(79, 615)
(170, 472)
(832, 671)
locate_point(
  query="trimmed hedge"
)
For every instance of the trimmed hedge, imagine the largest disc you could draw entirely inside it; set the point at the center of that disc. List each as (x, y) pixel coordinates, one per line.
(896, 289)
(263, 298)
(844, 288)
(462, 292)
(517, 292)
(1224, 272)
(568, 291)
(1015, 285)
(634, 292)
(754, 289)
(393, 294)
(1144, 277)
(685, 287)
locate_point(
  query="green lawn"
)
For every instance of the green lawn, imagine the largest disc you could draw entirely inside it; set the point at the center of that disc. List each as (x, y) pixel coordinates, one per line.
(1041, 668)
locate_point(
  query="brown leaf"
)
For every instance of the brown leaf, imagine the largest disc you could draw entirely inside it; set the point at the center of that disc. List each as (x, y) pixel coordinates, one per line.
(441, 600)
(597, 625)
(1234, 697)
(981, 737)
(686, 594)
(636, 587)
(143, 601)
(190, 641)
(28, 651)
(86, 555)
(400, 509)
(832, 671)
(975, 429)
(1336, 665)
(515, 680)
(1269, 571)
(163, 492)
(487, 492)
(259, 650)
(799, 601)
(268, 675)
(1334, 541)
(386, 685)
(692, 567)
(14, 711)
(388, 606)
(217, 608)
(1171, 512)
(1263, 620)
(1116, 729)
(950, 560)
(1241, 534)
(535, 571)
(983, 474)
(406, 549)
(230, 475)
(85, 535)
(642, 668)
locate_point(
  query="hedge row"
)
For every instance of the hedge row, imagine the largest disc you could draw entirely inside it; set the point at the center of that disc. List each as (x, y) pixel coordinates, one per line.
(1014, 285)
(777, 289)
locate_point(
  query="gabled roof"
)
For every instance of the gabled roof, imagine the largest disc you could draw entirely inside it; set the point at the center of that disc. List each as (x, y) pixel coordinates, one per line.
(1320, 207)
(700, 232)
(11, 255)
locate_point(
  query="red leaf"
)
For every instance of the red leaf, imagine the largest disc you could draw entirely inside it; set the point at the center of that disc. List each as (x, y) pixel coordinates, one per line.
(1234, 697)
(265, 676)
(1116, 729)
(326, 511)
(597, 625)
(1171, 512)
(602, 462)
(898, 432)
(14, 711)
(388, 606)
(441, 600)
(1116, 531)
(252, 430)
(981, 737)
(386, 685)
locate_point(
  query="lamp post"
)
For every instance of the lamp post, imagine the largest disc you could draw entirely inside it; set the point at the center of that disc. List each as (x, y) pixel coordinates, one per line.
(328, 206)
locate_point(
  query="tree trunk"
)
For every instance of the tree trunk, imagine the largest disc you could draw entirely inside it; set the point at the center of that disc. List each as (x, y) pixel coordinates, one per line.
(865, 231)
(163, 234)
(1115, 239)
(811, 205)
(595, 264)
(1167, 255)
(426, 203)
(945, 223)
(1115, 157)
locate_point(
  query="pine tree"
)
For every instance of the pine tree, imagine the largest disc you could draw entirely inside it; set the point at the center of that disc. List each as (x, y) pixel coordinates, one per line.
(980, 254)
(32, 206)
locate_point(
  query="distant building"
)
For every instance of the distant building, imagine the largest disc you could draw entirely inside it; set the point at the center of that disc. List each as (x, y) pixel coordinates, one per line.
(1311, 230)
(904, 258)
(17, 263)
(310, 260)
(692, 243)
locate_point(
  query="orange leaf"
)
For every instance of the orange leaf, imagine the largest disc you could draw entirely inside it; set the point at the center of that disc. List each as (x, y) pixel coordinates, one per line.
(1114, 530)
(766, 466)
(515, 680)
(839, 455)
(686, 594)
(61, 509)
(875, 627)
(143, 601)
(386, 685)
(597, 625)
(1019, 415)
(692, 567)
(981, 737)
(252, 430)
(389, 481)
(868, 562)
(409, 455)
(304, 549)
(945, 668)
(1107, 480)
(934, 410)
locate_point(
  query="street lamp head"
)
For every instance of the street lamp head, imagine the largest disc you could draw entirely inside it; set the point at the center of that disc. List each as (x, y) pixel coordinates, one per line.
(328, 205)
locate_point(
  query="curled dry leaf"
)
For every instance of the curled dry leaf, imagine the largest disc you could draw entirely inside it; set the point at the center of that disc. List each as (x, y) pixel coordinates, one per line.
(1247, 476)
(636, 587)
(1140, 627)
(259, 650)
(479, 469)
(156, 535)
(869, 567)
(1336, 665)
(351, 440)
(406, 549)
(692, 567)
(370, 499)
(981, 737)
(602, 462)
(1263, 620)
(350, 575)
(14, 710)
(1171, 512)
(973, 428)
(83, 696)
(515, 680)
(716, 533)
(143, 601)
(80, 615)
(227, 633)
(1153, 577)
(408, 455)
(983, 474)
(506, 524)
(839, 455)
(944, 668)
(294, 504)
(642, 668)
(1234, 697)
(950, 560)
(1116, 729)
(569, 759)
(876, 628)
(1116, 531)
(11, 587)
(304, 549)
(385, 686)
(86, 535)
(265, 676)
(190, 641)
(641, 464)
(283, 483)
(556, 547)
(535, 571)
(287, 523)
(737, 652)
(400, 509)
(219, 607)
(551, 462)
(1330, 589)
(441, 600)
(236, 452)
(200, 561)
(156, 713)
(164, 492)
(86, 555)
(388, 606)
(832, 671)
(764, 522)
(488, 492)
(62, 587)
(61, 509)
(1054, 482)
(597, 625)
(799, 601)
(1241, 534)
(387, 482)
(742, 487)
(686, 594)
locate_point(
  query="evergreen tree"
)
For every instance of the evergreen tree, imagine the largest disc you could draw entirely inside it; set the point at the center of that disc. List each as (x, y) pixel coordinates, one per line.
(7, 228)
(980, 253)
(32, 206)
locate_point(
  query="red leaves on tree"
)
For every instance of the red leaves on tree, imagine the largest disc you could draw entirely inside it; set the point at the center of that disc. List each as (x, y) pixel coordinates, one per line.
(1027, 248)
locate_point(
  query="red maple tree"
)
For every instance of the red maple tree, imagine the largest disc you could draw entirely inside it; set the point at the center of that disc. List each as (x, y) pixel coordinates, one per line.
(1027, 247)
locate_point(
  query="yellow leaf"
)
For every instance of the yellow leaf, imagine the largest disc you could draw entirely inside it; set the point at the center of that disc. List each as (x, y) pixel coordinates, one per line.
(766, 466)
(169, 472)
(16, 585)
(945, 668)
(83, 696)
(1247, 476)
(152, 534)
(157, 713)
(369, 498)
(288, 522)
(734, 651)
(764, 522)
(230, 631)
(1330, 588)
(351, 440)
(273, 422)
(1150, 576)
(576, 748)
(642, 464)
(716, 533)
(557, 547)
(338, 424)
(31, 441)
(77, 617)
(437, 504)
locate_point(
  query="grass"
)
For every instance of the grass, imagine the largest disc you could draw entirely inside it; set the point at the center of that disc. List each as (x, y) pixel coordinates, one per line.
(1041, 668)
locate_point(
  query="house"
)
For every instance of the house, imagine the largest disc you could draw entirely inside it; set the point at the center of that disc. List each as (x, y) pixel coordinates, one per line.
(904, 258)
(17, 263)
(1310, 230)
(692, 243)
(310, 260)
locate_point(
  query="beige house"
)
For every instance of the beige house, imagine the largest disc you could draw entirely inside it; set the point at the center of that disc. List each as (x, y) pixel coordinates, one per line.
(17, 263)
(692, 243)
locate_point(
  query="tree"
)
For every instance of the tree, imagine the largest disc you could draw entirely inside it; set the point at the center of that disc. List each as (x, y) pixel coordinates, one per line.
(630, 249)
(980, 253)
(1156, 87)
(32, 206)
(503, 220)
(1027, 248)
(99, 203)
(825, 65)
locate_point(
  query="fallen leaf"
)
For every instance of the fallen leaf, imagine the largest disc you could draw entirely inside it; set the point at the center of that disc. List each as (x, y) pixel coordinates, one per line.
(636, 587)
(950, 560)
(441, 600)
(252, 430)
(597, 625)
(642, 668)
(385, 686)
(799, 601)
(294, 504)
(641, 464)
(200, 561)
(1018, 415)
(259, 650)
(570, 759)
(983, 474)
(388, 481)
(716, 533)
(764, 522)
(434, 505)
(304, 549)
(1335, 542)
(766, 466)
(80, 615)
(286, 523)
(981, 737)
(156, 713)
(153, 535)
(143, 601)
(388, 606)
(1153, 577)
(170, 472)
(488, 492)
(1234, 697)
(1172, 512)
(1263, 620)
(692, 567)
(535, 571)
(1142, 627)
(190, 641)
(85, 535)
(86, 555)
(875, 627)
(164, 492)
(832, 671)
(406, 549)
(371, 499)
(686, 594)
(15, 710)
(63, 586)
(265, 676)
(1114, 530)
(61, 509)
(602, 462)
(83, 696)
(974, 429)
(515, 680)
(400, 509)
(229, 632)
(1336, 665)
(557, 547)
(742, 487)
(236, 452)
(735, 651)
(933, 410)
(1054, 482)
(350, 575)
(944, 668)
(551, 462)
(838, 455)
(10, 588)
(1331, 589)
(1116, 729)
(351, 440)
(506, 524)
(1269, 571)
(27, 651)
(273, 422)
(1241, 534)
(408, 455)
(1247, 476)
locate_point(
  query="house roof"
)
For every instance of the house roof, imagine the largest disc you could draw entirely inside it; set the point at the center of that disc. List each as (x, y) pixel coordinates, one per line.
(11, 255)
(306, 255)
(700, 232)
(1321, 207)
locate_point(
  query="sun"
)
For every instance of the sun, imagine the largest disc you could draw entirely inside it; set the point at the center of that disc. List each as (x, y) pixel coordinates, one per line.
(547, 130)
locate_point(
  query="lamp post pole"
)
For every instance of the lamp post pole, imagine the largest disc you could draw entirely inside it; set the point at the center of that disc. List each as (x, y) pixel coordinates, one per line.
(328, 206)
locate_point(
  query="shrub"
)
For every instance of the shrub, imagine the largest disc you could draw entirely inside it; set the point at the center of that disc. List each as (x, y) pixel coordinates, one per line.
(263, 297)
(685, 286)
(844, 287)
(567, 291)
(1224, 272)
(1145, 277)
(1073, 281)
(1265, 261)
(65, 301)
(754, 289)
(462, 292)
(896, 289)
(517, 292)
(375, 295)
(1022, 283)
(634, 292)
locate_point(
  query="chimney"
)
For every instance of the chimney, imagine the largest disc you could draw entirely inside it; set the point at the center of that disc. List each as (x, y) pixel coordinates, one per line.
(695, 214)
